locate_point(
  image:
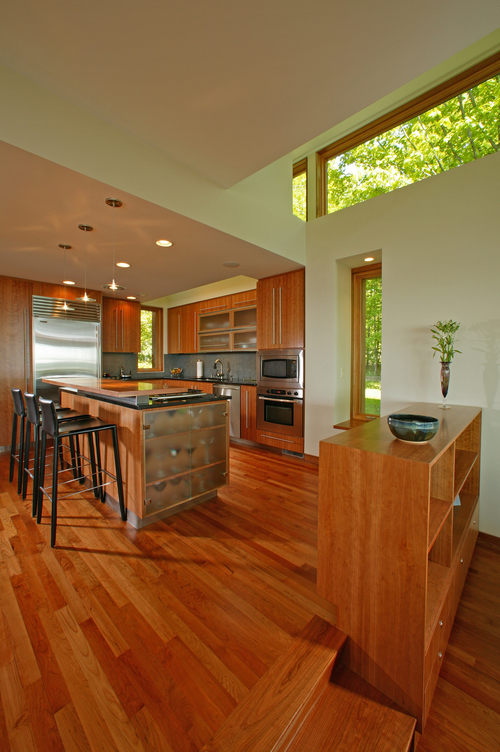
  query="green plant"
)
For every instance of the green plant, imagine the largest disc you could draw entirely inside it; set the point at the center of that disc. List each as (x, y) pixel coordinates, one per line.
(444, 334)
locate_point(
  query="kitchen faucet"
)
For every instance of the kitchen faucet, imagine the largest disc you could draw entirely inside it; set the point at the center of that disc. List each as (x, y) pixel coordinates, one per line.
(221, 374)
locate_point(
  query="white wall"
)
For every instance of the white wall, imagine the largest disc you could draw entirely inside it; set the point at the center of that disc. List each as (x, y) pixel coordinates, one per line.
(440, 242)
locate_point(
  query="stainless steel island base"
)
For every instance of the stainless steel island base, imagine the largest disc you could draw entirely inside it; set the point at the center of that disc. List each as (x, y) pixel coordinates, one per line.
(172, 457)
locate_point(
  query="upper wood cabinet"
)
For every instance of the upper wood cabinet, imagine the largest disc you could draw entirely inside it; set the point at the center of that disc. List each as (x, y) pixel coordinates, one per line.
(280, 311)
(121, 325)
(215, 304)
(186, 321)
(243, 299)
(15, 347)
(182, 325)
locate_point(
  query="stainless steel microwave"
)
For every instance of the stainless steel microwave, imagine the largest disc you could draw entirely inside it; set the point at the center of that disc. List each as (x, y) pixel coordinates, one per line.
(281, 368)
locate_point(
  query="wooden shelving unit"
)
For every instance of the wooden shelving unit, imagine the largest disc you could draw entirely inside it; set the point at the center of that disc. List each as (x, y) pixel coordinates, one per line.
(394, 549)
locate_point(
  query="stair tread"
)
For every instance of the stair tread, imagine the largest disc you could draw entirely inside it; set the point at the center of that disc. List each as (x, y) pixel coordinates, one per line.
(265, 719)
(352, 716)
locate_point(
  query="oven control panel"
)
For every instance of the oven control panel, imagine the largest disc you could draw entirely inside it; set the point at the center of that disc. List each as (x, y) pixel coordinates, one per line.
(283, 393)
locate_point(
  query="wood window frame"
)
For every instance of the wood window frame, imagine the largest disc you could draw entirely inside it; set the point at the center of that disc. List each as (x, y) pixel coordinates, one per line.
(157, 340)
(456, 85)
(358, 275)
(300, 168)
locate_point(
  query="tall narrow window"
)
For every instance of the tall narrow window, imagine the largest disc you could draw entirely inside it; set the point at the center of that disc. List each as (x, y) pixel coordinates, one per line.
(300, 189)
(151, 356)
(367, 341)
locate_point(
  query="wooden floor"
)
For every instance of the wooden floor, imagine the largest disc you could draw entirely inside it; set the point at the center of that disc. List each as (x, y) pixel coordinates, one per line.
(146, 640)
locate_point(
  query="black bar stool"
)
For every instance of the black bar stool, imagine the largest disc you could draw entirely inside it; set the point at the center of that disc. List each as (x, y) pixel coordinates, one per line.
(33, 418)
(15, 455)
(92, 427)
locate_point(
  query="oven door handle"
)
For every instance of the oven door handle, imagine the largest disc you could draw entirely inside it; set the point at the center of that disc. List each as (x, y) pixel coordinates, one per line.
(274, 399)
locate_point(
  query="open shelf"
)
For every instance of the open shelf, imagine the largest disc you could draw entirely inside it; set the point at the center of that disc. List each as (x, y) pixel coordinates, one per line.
(438, 512)
(437, 576)
(461, 518)
(464, 462)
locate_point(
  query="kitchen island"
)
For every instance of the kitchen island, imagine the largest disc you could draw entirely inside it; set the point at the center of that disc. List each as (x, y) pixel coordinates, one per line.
(173, 442)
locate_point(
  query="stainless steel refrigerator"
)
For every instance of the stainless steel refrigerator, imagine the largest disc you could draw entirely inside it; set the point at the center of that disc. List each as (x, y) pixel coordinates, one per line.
(65, 342)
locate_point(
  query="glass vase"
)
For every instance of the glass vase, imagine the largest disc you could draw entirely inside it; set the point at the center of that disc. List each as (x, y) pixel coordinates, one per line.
(445, 382)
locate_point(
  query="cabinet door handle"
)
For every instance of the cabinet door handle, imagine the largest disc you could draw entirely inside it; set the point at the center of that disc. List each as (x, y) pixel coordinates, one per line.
(114, 319)
(274, 315)
(214, 308)
(121, 325)
(280, 315)
(246, 408)
(26, 347)
(265, 436)
(179, 332)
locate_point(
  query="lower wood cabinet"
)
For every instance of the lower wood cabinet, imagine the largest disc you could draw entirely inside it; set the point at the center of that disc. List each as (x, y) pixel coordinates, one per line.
(249, 413)
(280, 441)
(394, 546)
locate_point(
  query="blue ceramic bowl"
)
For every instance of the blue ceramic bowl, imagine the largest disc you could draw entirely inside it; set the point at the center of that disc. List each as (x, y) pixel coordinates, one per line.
(416, 428)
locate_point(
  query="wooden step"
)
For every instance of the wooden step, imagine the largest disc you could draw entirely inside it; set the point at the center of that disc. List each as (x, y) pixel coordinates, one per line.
(269, 716)
(352, 716)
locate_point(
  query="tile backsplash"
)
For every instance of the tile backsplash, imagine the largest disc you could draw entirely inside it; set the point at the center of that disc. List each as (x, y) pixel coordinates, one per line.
(238, 365)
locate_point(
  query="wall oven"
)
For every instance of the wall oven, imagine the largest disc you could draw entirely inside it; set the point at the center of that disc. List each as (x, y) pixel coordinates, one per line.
(280, 410)
(281, 369)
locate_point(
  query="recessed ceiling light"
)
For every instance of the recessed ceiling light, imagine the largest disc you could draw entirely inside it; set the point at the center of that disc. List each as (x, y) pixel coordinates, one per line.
(122, 263)
(68, 282)
(164, 243)
(369, 258)
(230, 263)
(131, 297)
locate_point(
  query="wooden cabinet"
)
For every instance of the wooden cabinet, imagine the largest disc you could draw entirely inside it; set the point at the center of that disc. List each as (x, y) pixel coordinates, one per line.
(232, 330)
(281, 311)
(121, 326)
(182, 326)
(215, 304)
(393, 549)
(244, 299)
(200, 327)
(249, 413)
(15, 347)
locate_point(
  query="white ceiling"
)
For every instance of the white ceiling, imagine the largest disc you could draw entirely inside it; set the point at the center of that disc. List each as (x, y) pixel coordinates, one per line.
(221, 86)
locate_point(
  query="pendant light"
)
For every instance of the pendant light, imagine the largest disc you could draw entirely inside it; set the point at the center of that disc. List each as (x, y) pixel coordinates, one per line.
(115, 203)
(65, 306)
(85, 298)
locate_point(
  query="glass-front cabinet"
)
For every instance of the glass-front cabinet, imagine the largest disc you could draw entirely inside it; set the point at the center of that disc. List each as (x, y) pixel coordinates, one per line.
(228, 330)
(185, 454)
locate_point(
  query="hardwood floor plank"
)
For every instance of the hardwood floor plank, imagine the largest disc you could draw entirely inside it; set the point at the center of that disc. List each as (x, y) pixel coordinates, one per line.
(41, 713)
(149, 732)
(52, 681)
(71, 730)
(112, 711)
(18, 635)
(17, 719)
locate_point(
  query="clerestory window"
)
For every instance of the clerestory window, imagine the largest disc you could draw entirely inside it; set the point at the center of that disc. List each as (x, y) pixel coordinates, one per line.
(449, 126)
